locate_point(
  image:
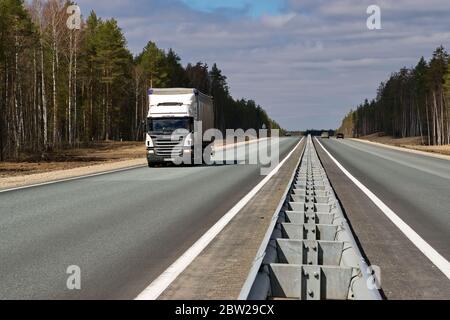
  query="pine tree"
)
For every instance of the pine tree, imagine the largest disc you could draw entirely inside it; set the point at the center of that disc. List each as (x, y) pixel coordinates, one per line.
(177, 76)
(111, 60)
(411, 102)
(152, 62)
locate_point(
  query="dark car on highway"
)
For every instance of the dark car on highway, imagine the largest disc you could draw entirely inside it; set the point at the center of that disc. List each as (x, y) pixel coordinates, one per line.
(340, 136)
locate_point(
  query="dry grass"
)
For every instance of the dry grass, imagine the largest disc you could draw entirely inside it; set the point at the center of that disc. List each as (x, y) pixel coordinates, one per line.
(435, 149)
(99, 153)
(414, 143)
(398, 142)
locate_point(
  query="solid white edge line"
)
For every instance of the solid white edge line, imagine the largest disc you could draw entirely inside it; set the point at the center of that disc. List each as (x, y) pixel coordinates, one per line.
(434, 256)
(248, 284)
(236, 145)
(73, 178)
(160, 284)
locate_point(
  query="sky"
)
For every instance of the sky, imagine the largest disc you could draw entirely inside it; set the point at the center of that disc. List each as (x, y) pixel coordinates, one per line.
(307, 62)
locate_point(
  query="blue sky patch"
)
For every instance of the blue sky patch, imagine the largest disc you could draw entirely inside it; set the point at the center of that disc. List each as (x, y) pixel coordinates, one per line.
(253, 8)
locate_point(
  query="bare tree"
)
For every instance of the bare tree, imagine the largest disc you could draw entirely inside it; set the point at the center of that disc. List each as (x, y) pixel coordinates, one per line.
(55, 15)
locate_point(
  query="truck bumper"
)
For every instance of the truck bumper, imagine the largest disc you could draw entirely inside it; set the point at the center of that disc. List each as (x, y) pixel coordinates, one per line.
(153, 158)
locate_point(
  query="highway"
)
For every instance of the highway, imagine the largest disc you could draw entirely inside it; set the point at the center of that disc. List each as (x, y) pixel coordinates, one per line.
(122, 229)
(416, 188)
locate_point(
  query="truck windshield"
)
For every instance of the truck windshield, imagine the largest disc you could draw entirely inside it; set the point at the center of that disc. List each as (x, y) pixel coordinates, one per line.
(168, 124)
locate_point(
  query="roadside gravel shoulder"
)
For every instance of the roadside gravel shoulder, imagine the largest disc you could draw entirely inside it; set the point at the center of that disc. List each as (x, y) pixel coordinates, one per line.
(32, 179)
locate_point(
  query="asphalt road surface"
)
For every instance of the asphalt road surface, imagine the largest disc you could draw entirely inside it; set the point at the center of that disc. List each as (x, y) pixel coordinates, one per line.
(122, 229)
(415, 187)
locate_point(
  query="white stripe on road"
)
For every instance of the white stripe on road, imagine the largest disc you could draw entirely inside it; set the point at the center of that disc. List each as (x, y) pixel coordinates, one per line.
(160, 284)
(438, 260)
(74, 178)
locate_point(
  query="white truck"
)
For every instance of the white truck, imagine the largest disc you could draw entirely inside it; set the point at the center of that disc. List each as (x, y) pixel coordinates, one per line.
(170, 126)
(325, 135)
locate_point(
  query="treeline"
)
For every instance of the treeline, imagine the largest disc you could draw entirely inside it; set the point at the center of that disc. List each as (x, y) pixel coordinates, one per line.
(61, 87)
(413, 102)
(317, 132)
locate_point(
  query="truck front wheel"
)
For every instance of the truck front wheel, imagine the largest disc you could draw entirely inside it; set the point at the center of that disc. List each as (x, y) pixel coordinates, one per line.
(151, 164)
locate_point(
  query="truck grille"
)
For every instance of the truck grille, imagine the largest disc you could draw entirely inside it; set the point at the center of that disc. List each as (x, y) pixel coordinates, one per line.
(167, 147)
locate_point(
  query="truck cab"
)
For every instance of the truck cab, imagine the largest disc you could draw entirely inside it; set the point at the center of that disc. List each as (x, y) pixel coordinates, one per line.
(174, 115)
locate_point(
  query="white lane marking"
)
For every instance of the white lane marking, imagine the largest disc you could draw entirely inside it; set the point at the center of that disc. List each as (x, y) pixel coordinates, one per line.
(235, 145)
(434, 256)
(73, 178)
(160, 284)
(246, 288)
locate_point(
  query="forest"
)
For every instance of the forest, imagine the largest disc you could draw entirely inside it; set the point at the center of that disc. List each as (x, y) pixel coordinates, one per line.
(62, 88)
(413, 102)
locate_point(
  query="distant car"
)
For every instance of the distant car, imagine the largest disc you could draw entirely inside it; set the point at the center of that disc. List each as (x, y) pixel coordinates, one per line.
(325, 135)
(340, 136)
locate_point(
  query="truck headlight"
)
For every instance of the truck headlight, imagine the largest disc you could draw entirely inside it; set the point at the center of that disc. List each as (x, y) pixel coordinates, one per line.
(149, 142)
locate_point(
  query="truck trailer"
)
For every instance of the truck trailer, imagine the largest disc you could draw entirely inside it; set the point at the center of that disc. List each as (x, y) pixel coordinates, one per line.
(173, 116)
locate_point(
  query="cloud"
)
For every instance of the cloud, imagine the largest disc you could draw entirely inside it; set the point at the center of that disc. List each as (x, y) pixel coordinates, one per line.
(277, 21)
(307, 62)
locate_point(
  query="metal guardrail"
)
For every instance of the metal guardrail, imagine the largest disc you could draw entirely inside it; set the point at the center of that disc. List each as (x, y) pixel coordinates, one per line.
(311, 254)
